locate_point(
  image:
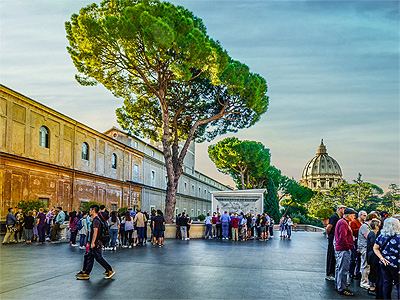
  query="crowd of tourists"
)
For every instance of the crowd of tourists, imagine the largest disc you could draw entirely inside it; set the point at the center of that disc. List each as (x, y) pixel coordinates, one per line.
(127, 229)
(236, 227)
(364, 246)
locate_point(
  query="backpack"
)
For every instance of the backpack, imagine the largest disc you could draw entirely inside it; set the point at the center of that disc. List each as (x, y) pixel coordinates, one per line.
(104, 235)
(79, 226)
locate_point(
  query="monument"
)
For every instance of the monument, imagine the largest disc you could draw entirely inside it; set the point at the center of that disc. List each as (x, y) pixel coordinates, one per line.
(246, 201)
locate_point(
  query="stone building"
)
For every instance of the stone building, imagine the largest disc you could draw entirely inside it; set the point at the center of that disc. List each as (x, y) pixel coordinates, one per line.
(322, 172)
(47, 156)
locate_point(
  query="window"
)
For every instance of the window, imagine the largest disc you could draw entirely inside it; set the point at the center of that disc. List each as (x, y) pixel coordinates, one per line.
(152, 153)
(199, 192)
(136, 173)
(152, 207)
(114, 161)
(192, 189)
(184, 188)
(205, 194)
(136, 145)
(45, 202)
(198, 212)
(85, 151)
(166, 181)
(44, 137)
(113, 207)
(192, 212)
(153, 178)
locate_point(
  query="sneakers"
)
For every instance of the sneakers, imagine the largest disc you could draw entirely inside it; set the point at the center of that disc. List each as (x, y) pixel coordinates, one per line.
(346, 293)
(364, 286)
(80, 273)
(330, 278)
(115, 248)
(82, 247)
(82, 276)
(109, 274)
(130, 247)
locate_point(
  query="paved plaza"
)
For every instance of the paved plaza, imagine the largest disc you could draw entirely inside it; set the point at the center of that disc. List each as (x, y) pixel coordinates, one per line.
(195, 269)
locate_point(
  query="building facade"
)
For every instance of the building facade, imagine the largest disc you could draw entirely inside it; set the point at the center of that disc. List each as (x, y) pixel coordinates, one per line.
(47, 156)
(322, 172)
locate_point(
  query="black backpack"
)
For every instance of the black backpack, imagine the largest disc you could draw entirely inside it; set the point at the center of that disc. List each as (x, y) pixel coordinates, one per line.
(104, 235)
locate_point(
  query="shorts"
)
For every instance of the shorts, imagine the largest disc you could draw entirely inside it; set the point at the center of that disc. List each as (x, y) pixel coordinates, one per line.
(158, 233)
(263, 229)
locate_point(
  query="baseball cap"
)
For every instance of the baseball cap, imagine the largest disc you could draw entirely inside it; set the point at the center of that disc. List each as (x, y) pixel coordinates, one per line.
(383, 214)
(349, 211)
(341, 206)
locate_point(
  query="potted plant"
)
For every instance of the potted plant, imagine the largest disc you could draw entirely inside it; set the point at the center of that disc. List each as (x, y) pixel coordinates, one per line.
(324, 214)
(201, 218)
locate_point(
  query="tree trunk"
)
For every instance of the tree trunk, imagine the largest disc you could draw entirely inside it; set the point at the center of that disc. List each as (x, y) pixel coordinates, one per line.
(170, 202)
(287, 208)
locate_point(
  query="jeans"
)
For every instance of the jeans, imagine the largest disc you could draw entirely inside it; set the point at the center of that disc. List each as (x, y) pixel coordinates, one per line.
(208, 230)
(390, 274)
(184, 232)
(41, 232)
(355, 262)
(342, 269)
(289, 230)
(225, 229)
(28, 234)
(140, 231)
(214, 230)
(82, 240)
(73, 237)
(94, 254)
(364, 267)
(219, 230)
(113, 237)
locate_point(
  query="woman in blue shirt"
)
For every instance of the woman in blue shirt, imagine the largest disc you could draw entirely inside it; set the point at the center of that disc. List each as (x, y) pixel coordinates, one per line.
(387, 249)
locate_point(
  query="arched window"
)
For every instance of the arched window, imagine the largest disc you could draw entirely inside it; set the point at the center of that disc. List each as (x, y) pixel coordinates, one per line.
(44, 137)
(85, 151)
(114, 161)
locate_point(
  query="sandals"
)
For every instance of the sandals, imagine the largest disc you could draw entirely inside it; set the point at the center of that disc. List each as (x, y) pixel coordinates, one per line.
(346, 293)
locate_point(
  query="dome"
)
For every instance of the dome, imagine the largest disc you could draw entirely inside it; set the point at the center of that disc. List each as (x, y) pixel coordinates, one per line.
(322, 171)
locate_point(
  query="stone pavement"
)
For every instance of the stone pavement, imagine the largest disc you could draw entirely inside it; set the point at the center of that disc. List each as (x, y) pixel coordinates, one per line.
(276, 269)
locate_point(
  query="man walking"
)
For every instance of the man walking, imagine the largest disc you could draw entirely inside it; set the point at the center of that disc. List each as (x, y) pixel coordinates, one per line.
(330, 235)
(95, 252)
(11, 221)
(140, 220)
(343, 244)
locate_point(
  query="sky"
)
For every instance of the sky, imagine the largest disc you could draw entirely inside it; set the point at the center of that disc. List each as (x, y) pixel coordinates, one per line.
(332, 69)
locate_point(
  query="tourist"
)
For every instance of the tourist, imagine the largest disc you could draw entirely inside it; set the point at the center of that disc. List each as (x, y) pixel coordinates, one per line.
(83, 231)
(249, 225)
(271, 228)
(231, 216)
(343, 245)
(282, 227)
(28, 224)
(225, 220)
(208, 222)
(140, 220)
(189, 223)
(243, 228)
(145, 227)
(113, 224)
(214, 220)
(20, 225)
(178, 226)
(235, 228)
(128, 221)
(11, 222)
(59, 220)
(330, 235)
(263, 227)
(289, 225)
(159, 228)
(355, 261)
(387, 249)
(35, 230)
(49, 221)
(153, 215)
(267, 223)
(103, 213)
(183, 226)
(219, 226)
(94, 252)
(41, 225)
(372, 259)
(362, 246)
(73, 223)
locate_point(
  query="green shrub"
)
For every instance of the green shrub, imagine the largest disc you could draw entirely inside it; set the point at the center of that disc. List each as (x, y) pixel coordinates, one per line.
(85, 206)
(123, 209)
(201, 217)
(296, 220)
(324, 213)
(30, 205)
